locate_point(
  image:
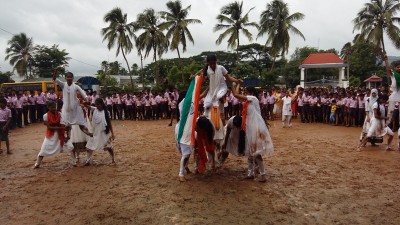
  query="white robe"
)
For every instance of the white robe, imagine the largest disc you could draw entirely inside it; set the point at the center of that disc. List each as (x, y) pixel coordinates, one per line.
(233, 139)
(287, 106)
(258, 139)
(100, 139)
(72, 112)
(217, 90)
(51, 146)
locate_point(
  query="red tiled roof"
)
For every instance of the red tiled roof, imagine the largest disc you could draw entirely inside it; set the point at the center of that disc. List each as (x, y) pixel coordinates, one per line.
(374, 78)
(322, 58)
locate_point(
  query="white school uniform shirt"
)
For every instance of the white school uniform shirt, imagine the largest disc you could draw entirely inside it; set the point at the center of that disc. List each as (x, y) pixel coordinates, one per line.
(287, 106)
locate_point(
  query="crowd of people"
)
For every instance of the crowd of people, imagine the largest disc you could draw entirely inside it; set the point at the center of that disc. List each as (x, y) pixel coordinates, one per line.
(231, 121)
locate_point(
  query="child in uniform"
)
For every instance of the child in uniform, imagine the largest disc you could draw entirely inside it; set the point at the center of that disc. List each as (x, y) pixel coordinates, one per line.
(5, 119)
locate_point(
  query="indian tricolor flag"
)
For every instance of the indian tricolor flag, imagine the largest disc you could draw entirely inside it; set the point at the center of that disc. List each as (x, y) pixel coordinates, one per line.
(190, 111)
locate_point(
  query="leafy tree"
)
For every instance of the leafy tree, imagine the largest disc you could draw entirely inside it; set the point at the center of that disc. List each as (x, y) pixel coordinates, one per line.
(256, 55)
(376, 19)
(119, 32)
(277, 23)
(354, 81)
(5, 77)
(363, 60)
(245, 70)
(106, 80)
(232, 21)
(19, 53)
(46, 59)
(227, 59)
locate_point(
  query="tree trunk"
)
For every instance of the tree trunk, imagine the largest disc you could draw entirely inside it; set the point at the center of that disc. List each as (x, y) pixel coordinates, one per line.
(387, 65)
(155, 62)
(179, 54)
(273, 63)
(237, 48)
(141, 62)
(180, 65)
(129, 69)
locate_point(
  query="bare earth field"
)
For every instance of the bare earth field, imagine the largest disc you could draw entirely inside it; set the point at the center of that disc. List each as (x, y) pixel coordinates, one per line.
(314, 177)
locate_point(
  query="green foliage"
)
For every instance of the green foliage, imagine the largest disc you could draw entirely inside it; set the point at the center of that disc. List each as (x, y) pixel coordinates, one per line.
(49, 58)
(363, 60)
(106, 80)
(176, 24)
(245, 70)
(255, 55)
(354, 81)
(19, 53)
(6, 77)
(277, 23)
(233, 21)
(119, 32)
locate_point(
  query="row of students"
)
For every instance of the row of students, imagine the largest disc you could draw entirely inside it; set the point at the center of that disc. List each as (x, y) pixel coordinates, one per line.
(347, 109)
(140, 106)
(27, 107)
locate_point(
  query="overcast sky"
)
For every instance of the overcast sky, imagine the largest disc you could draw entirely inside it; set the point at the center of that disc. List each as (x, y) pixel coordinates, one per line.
(75, 26)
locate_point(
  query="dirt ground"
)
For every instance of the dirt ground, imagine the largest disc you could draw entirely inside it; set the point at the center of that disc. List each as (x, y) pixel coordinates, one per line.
(314, 177)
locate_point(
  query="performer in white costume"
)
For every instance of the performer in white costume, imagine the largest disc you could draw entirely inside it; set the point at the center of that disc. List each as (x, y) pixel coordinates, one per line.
(103, 132)
(213, 101)
(369, 112)
(254, 139)
(378, 126)
(71, 111)
(55, 141)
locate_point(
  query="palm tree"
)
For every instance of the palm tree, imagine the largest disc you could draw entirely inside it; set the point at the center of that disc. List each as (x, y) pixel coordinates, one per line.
(377, 18)
(233, 22)
(277, 23)
(177, 25)
(119, 32)
(346, 53)
(20, 52)
(152, 37)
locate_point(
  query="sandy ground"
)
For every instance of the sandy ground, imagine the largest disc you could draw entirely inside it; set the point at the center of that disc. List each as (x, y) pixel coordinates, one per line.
(314, 177)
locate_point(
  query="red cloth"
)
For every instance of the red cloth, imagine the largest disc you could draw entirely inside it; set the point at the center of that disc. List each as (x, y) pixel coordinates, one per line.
(244, 115)
(54, 119)
(203, 145)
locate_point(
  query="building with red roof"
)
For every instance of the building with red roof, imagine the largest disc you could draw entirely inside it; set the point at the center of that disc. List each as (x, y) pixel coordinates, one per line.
(324, 60)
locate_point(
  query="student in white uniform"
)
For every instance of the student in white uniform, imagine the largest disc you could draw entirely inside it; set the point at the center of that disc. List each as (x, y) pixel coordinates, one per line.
(101, 125)
(55, 141)
(378, 126)
(287, 110)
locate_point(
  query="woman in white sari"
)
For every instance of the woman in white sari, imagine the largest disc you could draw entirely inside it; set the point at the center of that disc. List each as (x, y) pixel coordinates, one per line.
(257, 138)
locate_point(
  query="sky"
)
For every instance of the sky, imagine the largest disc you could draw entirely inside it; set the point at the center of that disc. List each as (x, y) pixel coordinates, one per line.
(75, 26)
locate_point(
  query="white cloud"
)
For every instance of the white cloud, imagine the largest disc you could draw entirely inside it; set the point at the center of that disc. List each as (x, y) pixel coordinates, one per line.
(75, 25)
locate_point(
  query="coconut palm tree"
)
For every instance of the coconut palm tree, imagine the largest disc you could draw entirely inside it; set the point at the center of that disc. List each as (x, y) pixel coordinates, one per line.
(119, 32)
(377, 18)
(232, 21)
(345, 53)
(152, 36)
(19, 53)
(177, 25)
(277, 23)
